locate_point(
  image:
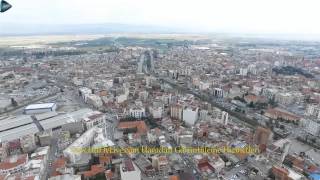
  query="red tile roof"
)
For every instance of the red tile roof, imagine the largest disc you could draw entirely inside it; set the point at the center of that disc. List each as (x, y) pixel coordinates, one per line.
(14, 161)
(14, 144)
(95, 169)
(59, 163)
(205, 166)
(174, 177)
(140, 125)
(128, 165)
(17, 177)
(277, 112)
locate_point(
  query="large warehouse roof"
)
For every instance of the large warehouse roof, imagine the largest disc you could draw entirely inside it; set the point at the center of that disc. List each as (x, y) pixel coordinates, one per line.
(62, 119)
(56, 121)
(12, 128)
(13, 122)
(46, 115)
(19, 132)
(39, 106)
(79, 114)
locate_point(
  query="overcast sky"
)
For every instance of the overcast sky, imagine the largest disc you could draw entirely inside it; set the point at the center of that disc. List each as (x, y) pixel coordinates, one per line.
(242, 16)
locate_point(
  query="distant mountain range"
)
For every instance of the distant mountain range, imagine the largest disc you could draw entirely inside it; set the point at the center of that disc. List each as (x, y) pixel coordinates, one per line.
(34, 29)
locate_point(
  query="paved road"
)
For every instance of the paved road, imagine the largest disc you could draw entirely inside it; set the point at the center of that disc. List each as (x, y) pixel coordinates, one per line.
(51, 157)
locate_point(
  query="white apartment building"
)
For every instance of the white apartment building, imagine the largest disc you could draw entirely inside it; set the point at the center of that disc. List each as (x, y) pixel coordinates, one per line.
(224, 118)
(137, 112)
(190, 115)
(312, 110)
(93, 119)
(312, 127)
(83, 141)
(84, 91)
(156, 112)
(122, 98)
(243, 71)
(204, 86)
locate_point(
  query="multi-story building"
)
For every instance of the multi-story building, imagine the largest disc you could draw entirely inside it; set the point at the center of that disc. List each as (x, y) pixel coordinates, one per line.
(83, 141)
(312, 127)
(243, 72)
(261, 137)
(45, 137)
(137, 112)
(166, 99)
(284, 98)
(312, 110)
(283, 173)
(224, 118)
(145, 166)
(203, 115)
(121, 98)
(93, 119)
(220, 116)
(176, 111)
(234, 91)
(94, 100)
(218, 92)
(269, 93)
(204, 85)
(184, 138)
(28, 143)
(190, 115)
(278, 150)
(156, 112)
(84, 92)
(143, 96)
(37, 162)
(160, 163)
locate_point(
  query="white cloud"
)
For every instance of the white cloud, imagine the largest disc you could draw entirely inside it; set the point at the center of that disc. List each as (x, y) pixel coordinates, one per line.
(266, 16)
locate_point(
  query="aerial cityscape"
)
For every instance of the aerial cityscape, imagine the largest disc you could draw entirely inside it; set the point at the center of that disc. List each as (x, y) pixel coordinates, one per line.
(123, 102)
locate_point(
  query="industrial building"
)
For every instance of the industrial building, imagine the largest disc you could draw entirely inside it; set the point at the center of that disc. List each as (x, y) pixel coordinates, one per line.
(18, 132)
(40, 108)
(13, 128)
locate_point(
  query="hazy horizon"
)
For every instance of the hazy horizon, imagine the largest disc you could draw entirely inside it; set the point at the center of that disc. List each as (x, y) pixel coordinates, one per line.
(293, 18)
(123, 29)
